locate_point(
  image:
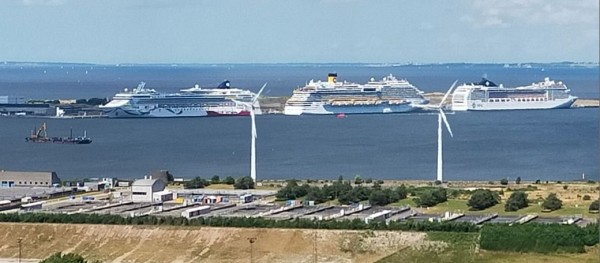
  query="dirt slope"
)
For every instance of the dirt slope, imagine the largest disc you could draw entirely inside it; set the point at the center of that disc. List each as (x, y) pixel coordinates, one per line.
(207, 244)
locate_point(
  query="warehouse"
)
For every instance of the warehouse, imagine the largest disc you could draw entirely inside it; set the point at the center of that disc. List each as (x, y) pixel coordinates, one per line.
(143, 190)
(25, 109)
(28, 179)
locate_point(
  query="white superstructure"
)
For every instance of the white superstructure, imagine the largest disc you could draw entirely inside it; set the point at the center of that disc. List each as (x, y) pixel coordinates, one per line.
(389, 95)
(486, 95)
(192, 102)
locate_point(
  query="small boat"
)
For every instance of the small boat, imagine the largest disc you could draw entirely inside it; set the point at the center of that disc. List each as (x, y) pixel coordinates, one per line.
(340, 115)
(41, 135)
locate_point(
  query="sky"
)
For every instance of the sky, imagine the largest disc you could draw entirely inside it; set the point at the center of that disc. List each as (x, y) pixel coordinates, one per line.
(302, 31)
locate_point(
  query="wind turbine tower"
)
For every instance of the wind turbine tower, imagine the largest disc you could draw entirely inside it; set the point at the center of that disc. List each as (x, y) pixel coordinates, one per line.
(250, 105)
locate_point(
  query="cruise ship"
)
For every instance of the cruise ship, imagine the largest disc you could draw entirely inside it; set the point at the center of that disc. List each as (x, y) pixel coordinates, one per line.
(486, 95)
(389, 95)
(142, 102)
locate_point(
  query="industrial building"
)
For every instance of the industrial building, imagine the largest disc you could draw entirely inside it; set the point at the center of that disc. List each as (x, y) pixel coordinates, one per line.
(162, 175)
(10, 105)
(143, 190)
(12, 100)
(28, 179)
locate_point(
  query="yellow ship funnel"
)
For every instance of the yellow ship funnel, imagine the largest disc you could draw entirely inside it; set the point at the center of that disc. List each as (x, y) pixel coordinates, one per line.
(332, 78)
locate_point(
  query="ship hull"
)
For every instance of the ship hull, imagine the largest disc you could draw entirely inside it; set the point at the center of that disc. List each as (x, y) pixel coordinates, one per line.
(477, 105)
(155, 113)
(354, 109)
(174, 112)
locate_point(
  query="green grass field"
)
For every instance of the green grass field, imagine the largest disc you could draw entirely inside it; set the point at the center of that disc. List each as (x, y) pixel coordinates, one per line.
(462, 247)
(459, 205)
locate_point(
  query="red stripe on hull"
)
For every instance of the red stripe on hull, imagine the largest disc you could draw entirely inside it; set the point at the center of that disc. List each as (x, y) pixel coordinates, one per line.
(216, 114)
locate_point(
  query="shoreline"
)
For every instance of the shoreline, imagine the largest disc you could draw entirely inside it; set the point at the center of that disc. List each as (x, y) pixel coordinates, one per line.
(274, 105)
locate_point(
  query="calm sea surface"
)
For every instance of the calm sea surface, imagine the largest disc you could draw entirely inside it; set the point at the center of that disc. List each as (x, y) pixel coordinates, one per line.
(546, 145)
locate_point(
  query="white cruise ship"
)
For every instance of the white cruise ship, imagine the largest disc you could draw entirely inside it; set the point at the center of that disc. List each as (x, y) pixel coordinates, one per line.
(389, 95)
(142, 102)
(486, 95)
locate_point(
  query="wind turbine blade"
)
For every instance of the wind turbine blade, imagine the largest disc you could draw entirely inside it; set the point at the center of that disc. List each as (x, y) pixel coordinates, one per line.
(254, 135)
(446, 122)
(447, 93)
(258, 94)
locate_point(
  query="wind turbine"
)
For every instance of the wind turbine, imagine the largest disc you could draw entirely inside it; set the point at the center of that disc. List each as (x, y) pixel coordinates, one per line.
(441, 117)
(253, 131)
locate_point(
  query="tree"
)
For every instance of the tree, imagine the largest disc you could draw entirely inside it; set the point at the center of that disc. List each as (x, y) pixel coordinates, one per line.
(552, 202)
(516, 201)
(587, 197)
(245, 182)
(315, 194)
(518, 181)
(170, 177)
(215, 179)
(369, 180)
(504, 181)
(229, 180)
(483, 199)
(431, 197)
(196, 183)
(378, 197)
(595, 206)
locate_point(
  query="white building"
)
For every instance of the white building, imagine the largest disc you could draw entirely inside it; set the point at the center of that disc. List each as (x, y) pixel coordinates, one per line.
(162, 196)
(143, 190)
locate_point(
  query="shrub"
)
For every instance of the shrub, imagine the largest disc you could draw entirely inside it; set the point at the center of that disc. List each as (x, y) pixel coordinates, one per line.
(196, 183)
(245, 182)
(369, 180)
(504, 181)
(565, 187)
(594, 206)
(587, 197)
(215, 179)
(432, 197)
(65, 258)
(537, 181)
(358, 180)
(483, 199)
(378, 198)
(516, 201)
(229, 180)
(518, 181)
(552, 202)
(540, 238)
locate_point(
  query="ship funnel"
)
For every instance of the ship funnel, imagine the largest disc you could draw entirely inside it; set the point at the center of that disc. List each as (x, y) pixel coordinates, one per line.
(332, 78)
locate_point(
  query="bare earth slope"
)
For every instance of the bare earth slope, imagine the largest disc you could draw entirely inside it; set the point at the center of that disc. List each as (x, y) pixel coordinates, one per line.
(207, 244)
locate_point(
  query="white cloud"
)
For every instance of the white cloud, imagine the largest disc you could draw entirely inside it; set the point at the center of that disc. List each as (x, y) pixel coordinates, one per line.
(504, 13)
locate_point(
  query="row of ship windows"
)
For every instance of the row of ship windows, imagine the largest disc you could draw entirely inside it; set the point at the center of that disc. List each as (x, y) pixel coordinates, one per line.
(32, 183)
(518, 99)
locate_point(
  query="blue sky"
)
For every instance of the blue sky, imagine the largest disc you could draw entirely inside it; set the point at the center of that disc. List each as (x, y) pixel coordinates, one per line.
(279, 31)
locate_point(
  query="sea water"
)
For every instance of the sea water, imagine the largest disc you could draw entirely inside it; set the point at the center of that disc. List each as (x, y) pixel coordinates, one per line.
(535, 144)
